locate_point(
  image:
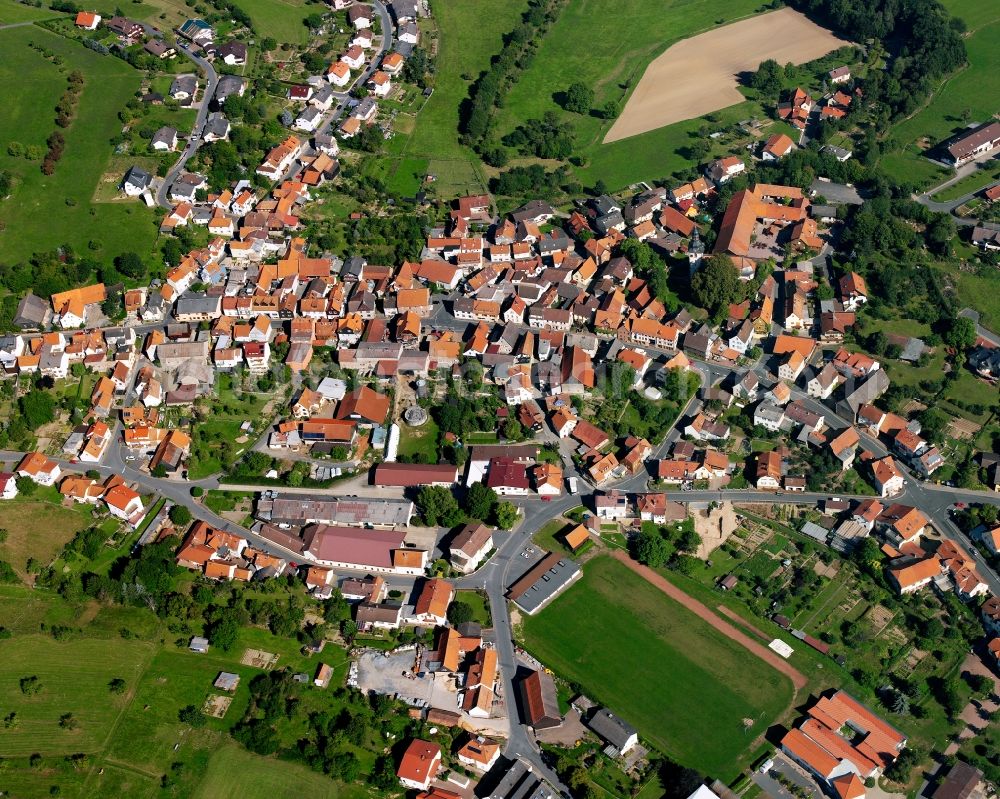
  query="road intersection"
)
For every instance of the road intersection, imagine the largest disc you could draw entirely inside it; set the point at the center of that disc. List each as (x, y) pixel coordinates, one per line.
(507, 562)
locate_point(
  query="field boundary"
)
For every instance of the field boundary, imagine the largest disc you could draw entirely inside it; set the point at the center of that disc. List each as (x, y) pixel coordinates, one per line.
(705, 613)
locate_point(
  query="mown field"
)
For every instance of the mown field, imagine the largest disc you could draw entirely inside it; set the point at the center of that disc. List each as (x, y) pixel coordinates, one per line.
(686, 687)
(74, 677)
(233, 773)
(46, 211)
(469, 36)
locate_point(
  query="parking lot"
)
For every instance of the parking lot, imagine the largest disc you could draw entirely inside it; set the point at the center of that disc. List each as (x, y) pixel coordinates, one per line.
(789, 771)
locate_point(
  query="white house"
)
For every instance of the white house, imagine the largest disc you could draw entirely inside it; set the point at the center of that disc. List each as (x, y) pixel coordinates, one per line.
(8, 485)
(612, 506)
(420, 764)
(339, 73)
(308, 119)
(888, 477)
(88, 20)
(164, 140)
(823, 384)
(409, 33)
(125, 504)
(354, 58)
(479, 754)
(380, 83)
(840, 75)
(37, 467)
(472, 543)
(359, 16)
(136, 181)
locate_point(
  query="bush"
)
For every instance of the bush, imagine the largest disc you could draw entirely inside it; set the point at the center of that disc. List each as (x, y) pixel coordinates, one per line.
(579, 98)
(191, 716)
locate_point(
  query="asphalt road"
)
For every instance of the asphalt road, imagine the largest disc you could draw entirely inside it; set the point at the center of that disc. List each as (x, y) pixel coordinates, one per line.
(195, 137)
(506, 565)
(335, 114)
(949, 206)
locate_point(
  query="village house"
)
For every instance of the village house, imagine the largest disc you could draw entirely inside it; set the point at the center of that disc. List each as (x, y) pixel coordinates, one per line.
(35, 466)
(887, 476)
(768, 472)
(470, 545)
(841, 742)
(87, 20)
(420, 763)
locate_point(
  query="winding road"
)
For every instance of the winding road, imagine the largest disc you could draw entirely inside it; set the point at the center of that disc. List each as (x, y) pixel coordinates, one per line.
(195, 137)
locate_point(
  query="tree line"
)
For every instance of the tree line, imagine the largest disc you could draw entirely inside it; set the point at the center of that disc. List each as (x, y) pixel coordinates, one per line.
(487, 93)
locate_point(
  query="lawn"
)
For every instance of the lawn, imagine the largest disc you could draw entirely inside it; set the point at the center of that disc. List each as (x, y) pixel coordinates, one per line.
(280, 19)
(222, 434)
(222, 501)
(980, 291)
(234, 773)
(967, 97)
(407, 176)
(612, 626)
(74, 677)
(971, 389)
(465, 46)
(38, 530)
(549, 536)
(421, 440)
(45, 211)
(480, 606)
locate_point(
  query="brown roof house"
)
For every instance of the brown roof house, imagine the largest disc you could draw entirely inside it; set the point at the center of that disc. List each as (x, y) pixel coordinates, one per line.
(365, 406)
(472, 543)
(539, 703)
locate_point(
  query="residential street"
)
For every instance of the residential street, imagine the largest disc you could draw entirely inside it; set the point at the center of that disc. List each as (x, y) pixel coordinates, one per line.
(194, 138)
(506, 565)
(330, 119)
(949, 206)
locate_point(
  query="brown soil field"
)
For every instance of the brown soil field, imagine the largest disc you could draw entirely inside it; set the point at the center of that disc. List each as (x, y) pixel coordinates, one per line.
(699, 75)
